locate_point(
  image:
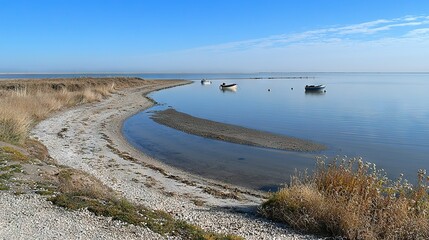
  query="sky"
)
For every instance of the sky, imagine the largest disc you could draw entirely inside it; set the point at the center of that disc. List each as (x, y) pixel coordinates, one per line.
(172, 36)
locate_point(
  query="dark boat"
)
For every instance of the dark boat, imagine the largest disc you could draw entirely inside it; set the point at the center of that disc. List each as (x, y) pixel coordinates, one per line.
(314, 87)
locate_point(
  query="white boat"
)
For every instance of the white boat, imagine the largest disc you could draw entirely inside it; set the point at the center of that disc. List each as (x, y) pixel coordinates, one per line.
(205, 82)
(314, 87)
(228, 86)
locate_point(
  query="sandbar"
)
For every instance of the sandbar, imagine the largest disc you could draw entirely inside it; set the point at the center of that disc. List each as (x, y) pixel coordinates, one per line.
(232, 133)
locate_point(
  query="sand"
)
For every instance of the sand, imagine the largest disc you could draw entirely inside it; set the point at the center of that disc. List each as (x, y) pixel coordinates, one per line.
(232, 133)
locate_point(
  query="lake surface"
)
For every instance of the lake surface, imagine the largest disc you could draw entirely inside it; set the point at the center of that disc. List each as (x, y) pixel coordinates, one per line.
(383, 118)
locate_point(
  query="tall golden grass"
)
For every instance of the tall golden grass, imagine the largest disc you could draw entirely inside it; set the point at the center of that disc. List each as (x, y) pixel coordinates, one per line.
(25, 102)
(352, 199)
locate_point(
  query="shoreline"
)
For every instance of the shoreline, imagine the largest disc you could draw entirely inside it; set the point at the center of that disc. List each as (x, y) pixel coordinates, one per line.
(232, 133)
(91, 141)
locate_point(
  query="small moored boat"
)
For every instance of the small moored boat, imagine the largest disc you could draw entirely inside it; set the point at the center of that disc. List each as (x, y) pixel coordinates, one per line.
(314, 87)
(205, 81)
(228, 86)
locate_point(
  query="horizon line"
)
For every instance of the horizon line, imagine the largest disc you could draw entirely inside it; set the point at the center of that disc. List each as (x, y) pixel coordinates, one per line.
(261, 72)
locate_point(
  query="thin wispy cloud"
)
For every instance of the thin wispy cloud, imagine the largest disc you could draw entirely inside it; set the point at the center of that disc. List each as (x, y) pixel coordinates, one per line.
(421, 32)
(367, 27)
(391, 28)
(400, 44)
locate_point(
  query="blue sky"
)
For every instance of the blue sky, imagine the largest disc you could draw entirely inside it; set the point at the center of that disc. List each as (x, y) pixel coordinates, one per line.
(213, 36)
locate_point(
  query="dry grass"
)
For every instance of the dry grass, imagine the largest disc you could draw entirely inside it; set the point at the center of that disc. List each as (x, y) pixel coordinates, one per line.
(353, 200)
(25, 102)
(14, 154)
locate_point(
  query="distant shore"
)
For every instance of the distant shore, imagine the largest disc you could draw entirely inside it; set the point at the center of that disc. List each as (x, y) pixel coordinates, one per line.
(232, 133)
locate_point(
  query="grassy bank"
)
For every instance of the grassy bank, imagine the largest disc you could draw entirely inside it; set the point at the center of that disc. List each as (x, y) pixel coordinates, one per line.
(352, 199)
(25, 102)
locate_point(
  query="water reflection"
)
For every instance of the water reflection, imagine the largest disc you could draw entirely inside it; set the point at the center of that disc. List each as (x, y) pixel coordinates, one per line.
(315, 93)
(252, 167)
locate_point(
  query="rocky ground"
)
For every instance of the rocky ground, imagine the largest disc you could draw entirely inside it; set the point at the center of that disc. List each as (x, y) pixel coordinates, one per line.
(30, 216)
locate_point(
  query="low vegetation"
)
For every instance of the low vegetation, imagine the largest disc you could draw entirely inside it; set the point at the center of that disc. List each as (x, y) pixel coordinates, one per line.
(352, 199)
(8, 167)
(79, 190)
(23, 103)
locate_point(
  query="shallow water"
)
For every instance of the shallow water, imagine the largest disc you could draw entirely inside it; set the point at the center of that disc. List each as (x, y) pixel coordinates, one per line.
(383, 118)
(238, 164)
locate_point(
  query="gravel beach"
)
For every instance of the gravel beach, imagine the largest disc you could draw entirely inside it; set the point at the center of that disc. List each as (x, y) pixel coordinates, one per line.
(30, 216)
(91, 141)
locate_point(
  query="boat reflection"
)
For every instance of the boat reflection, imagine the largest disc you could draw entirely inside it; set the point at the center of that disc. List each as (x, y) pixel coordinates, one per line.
(315, 93)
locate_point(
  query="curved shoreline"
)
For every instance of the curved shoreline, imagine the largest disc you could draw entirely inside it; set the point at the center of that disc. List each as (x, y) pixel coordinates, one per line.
(232, 133)
(93, 143)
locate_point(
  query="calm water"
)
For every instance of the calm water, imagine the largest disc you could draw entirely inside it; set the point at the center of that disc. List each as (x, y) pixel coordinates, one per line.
(383, 118)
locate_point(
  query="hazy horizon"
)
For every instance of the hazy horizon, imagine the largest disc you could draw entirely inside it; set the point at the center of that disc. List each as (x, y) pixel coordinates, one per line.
(214, 73)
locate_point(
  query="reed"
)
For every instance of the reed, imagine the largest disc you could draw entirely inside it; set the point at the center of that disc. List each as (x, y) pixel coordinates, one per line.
(25, 102)
(354, 200)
